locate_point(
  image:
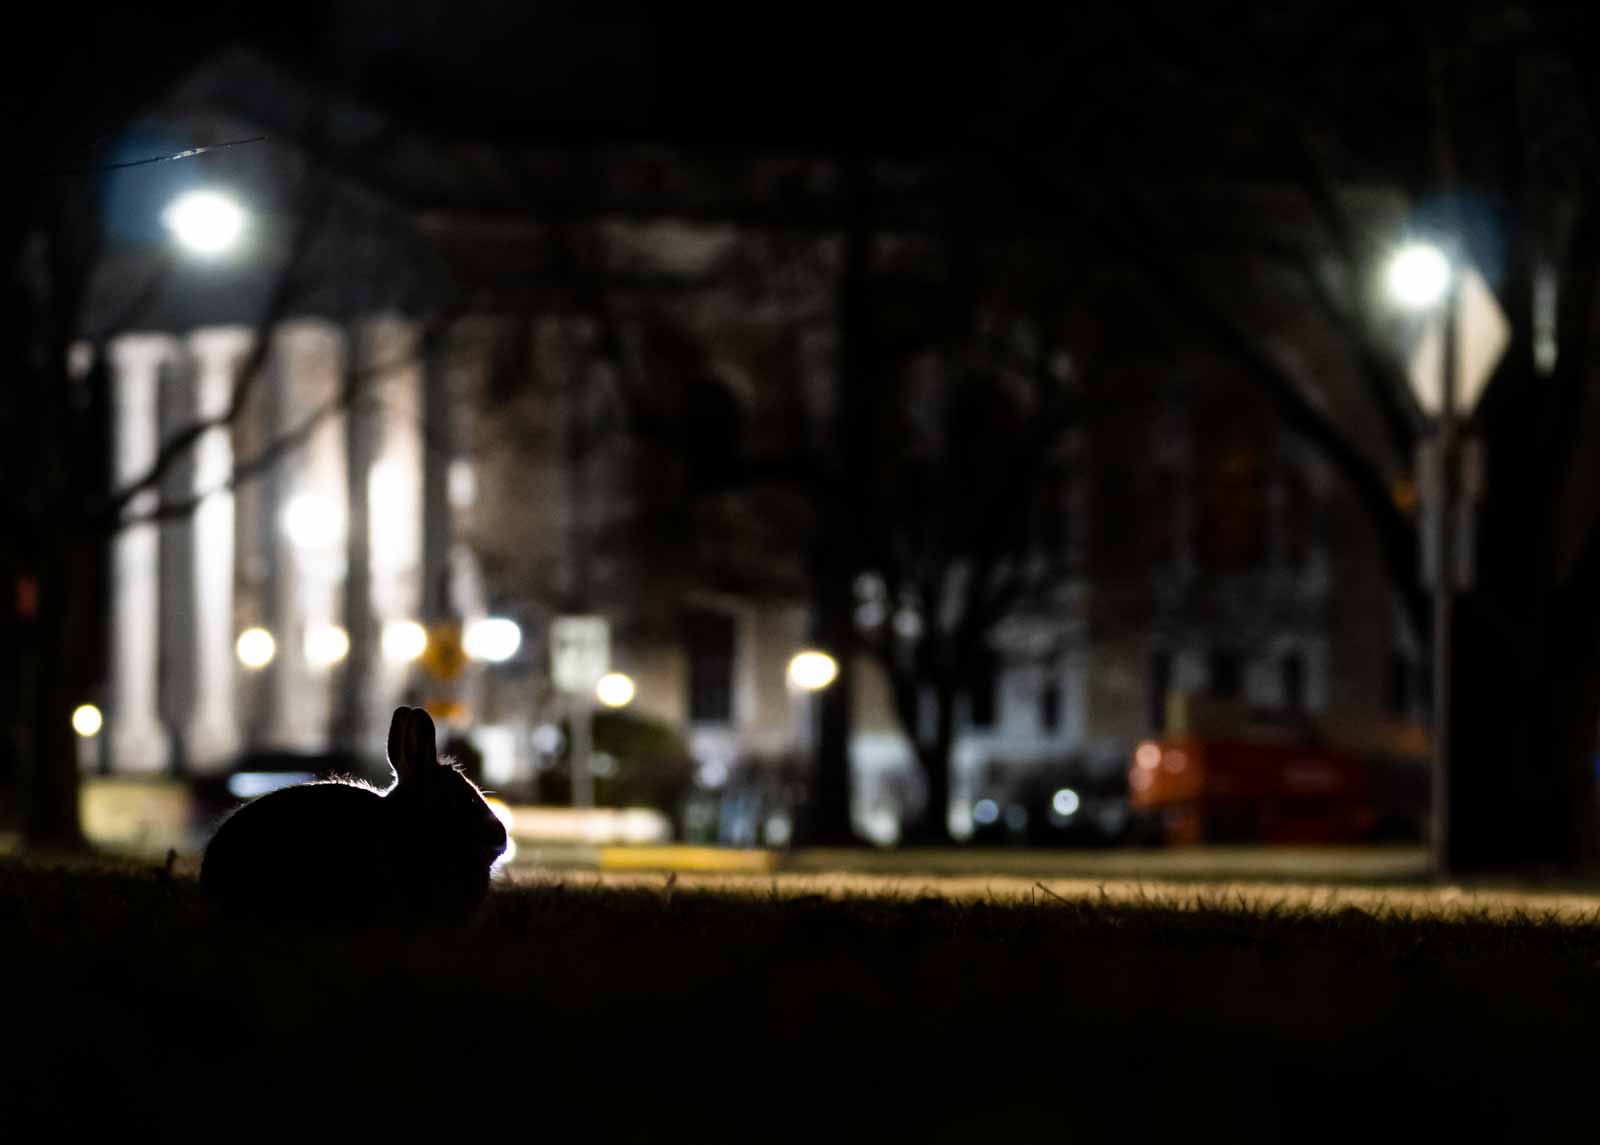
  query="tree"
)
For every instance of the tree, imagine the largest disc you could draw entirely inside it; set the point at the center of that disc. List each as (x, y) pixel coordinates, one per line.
(1497, 111)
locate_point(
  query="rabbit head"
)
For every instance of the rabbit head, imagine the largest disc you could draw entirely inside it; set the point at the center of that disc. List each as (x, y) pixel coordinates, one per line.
(448, 825)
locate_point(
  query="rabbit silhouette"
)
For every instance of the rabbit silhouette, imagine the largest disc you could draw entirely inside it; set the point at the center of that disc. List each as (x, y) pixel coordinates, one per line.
(341, 851)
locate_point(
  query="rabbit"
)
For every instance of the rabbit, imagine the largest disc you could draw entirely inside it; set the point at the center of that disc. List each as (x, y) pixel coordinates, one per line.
(342, 851)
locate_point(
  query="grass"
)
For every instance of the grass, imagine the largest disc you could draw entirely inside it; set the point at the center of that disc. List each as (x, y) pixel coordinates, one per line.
(664, 1011)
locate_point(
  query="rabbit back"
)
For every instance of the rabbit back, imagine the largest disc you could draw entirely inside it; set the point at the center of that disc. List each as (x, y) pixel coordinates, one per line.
(317, 851)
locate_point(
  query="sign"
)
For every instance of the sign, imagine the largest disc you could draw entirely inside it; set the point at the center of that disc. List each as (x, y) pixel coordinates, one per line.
(1482, 334)
(580, 652)
(444, 655)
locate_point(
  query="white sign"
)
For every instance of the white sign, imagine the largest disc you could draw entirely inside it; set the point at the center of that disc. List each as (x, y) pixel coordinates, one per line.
(1482, 334)
(580, 652)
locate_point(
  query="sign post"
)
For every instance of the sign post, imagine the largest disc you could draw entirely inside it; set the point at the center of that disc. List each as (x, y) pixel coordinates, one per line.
(580, 653)
(1454, 361)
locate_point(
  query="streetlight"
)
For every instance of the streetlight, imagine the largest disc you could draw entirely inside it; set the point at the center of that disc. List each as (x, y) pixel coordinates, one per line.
(403, 641)
(87, 721)
(492, 638)
(1424, 279)
(615, 690)
(256, 648)
(206, 223)
(326, 645)
(812, 671)
(1418, 275)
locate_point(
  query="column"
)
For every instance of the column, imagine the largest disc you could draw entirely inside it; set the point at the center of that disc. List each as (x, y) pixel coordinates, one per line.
(213, 731)
(139, 740)
(309, 534)
(393, 379)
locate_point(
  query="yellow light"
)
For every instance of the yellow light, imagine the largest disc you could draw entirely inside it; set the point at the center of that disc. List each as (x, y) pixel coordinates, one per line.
(326, 645)
(86, 720)
(812, 671)
(614, 690)
(256, 648)
(1418, 276)
(404, 641)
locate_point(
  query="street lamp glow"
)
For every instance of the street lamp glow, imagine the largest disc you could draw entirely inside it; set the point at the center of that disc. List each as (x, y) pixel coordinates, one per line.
(614, 690)
(812, 671)
(207, 223)
(404, 641)
(494, 639)
(326, 645)
(255, 648)
(1418, 276)
(87, 721)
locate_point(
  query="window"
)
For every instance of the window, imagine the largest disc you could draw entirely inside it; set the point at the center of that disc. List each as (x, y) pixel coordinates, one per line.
(982, 686)
(1293, 676)
(1050, 706)
(1224, 675)
(710, 640)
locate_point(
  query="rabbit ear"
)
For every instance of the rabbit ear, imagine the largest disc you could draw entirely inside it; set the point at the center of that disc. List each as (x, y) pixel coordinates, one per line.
(411, 744)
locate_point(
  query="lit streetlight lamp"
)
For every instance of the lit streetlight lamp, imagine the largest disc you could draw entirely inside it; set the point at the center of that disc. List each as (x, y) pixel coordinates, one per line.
(615, 690)
(812, 671)
(1418, 276)
(256, 648)
(403, 641)
(1466, 335)
(87, 721)
(206, 223)
(1422, 279)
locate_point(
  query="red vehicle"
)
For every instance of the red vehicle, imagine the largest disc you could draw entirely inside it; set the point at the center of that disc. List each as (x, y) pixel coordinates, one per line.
(1193, 789)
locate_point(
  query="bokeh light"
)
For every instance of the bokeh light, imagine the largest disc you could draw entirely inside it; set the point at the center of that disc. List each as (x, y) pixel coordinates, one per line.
(812, 671)
(494, 639)
(614, 690)
(403, 641)
(326, 645)
(87, 721)
(255, 648)
(1418, 275)
(206, 223)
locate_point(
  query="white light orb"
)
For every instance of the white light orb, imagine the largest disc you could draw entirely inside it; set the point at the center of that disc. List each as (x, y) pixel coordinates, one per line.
(614, 690)
(255, 648)
(403, 641)
(326, 645)
(87, 721)
(206, 223)
(1418, 276)
(313, 522)
(812, 671)
(494, 639)
(1066, 802)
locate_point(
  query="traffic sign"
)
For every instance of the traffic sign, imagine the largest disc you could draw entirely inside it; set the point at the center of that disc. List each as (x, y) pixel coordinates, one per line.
(580, 652)
(1482, 334)
(444, 655)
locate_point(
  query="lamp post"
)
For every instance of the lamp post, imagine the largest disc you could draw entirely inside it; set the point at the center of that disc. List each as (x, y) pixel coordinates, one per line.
(1422, 277)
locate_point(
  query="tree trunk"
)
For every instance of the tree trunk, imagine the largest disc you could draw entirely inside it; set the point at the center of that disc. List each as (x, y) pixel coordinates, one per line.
(832, 621)
(933, 828)
(63, 660)
(1524, 725)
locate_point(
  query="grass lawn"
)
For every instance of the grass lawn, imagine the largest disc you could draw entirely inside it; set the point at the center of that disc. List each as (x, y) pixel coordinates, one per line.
(574, 1010)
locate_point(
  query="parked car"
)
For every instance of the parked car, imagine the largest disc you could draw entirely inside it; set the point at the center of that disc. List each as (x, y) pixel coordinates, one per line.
(1196, 789)
(1076, 802)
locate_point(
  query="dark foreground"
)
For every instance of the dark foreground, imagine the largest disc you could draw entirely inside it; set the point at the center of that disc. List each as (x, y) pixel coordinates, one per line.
(569, 1013)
